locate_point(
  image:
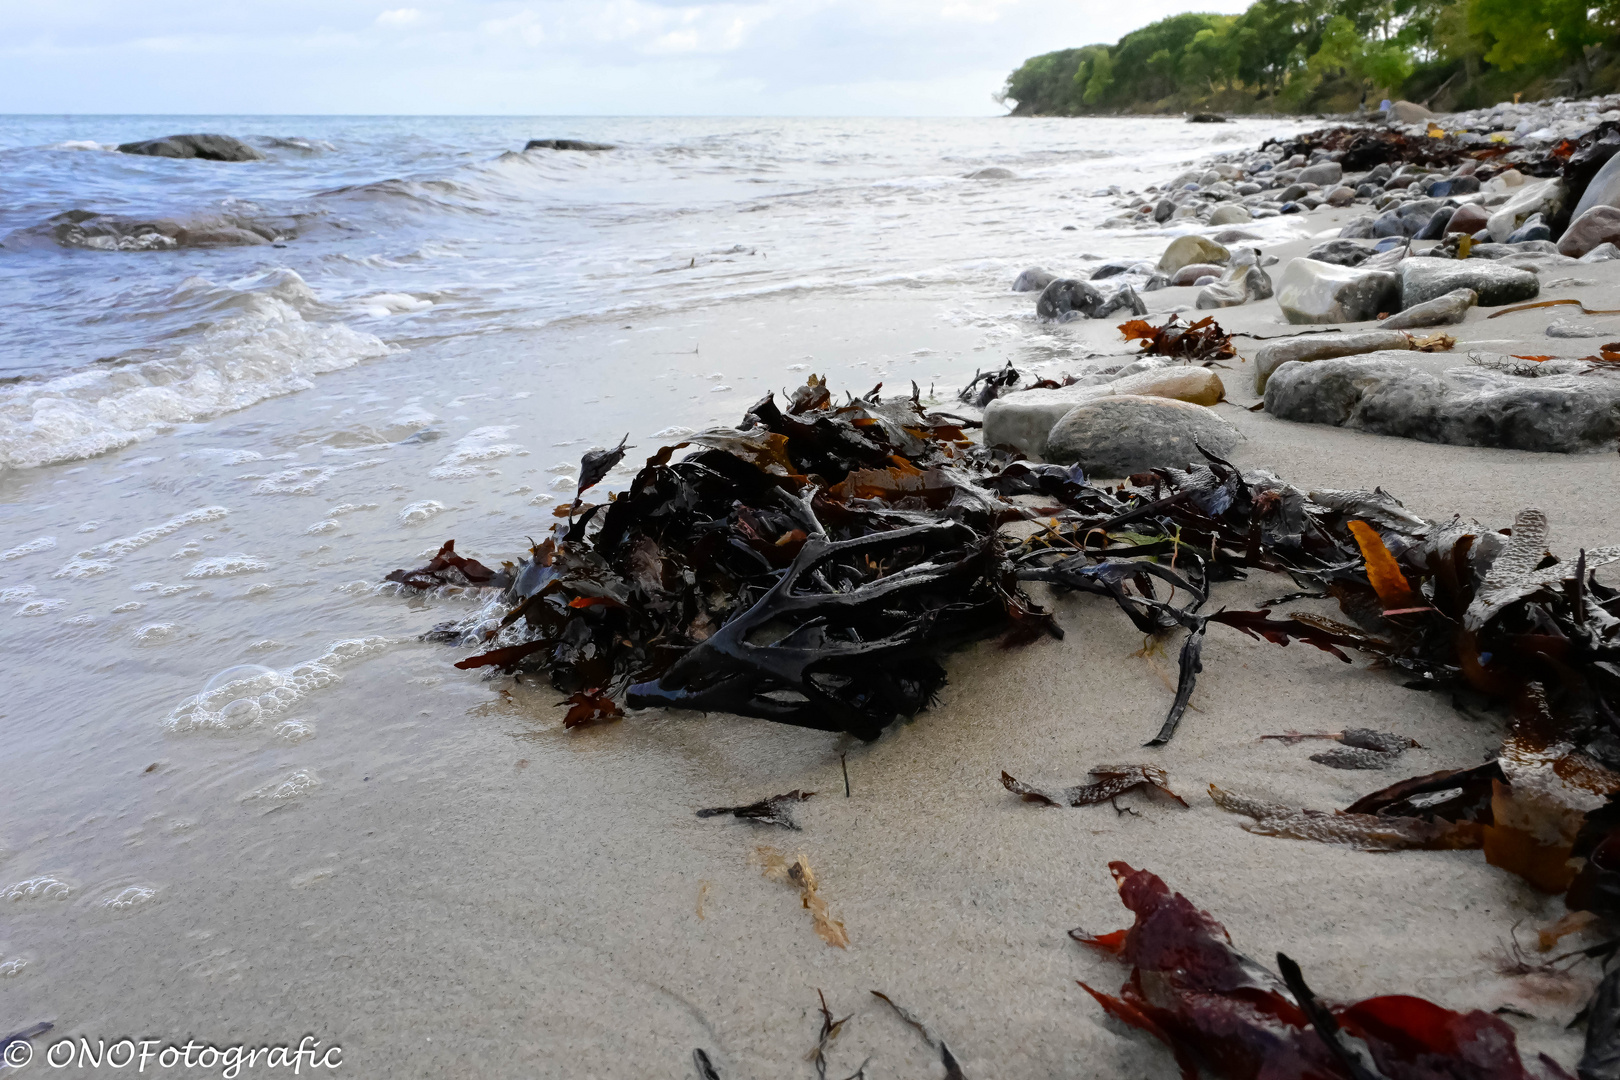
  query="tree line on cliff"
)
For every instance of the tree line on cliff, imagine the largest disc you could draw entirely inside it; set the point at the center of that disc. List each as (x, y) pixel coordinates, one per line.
(1333, 55)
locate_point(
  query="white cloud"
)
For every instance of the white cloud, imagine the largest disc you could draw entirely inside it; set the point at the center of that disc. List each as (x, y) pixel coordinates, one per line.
(399, 17)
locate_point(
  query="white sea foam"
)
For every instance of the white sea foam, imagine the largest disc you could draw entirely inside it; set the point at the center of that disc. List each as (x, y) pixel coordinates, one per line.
(127, 898)
(43, 543)
(296, 783)
(481, 444)
(245, 702)
(41, 607)
(418, 512)
(17, 594)
(227, 566)
(263, 348)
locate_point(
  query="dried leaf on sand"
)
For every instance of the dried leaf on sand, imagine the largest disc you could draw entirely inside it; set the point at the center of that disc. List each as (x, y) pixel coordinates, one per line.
(1106, 784)
(797, 872)
(776, 810)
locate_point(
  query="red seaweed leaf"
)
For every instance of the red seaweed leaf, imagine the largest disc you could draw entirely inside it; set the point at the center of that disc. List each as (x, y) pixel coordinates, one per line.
(1216, 1008)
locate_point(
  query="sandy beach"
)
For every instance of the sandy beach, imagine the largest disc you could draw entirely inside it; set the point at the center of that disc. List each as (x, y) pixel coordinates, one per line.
(432, 874)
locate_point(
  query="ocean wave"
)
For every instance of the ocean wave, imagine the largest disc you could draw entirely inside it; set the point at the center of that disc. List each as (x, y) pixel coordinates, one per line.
(262, 347)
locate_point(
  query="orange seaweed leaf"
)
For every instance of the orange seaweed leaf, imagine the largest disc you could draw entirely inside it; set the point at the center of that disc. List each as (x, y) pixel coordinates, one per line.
(1382, 570)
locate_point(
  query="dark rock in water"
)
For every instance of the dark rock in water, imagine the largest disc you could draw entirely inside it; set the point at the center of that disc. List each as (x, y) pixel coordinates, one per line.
(1110, 269)
(108, 232)
(207, 147)
(1066, 299)
(1340, 253)
(1425, 279)
(1207, 118)
(1293, 192)
(567, 144)
(1534, 228)
(1436, 228)
(1162, 210)
(1033, 280)
(1386, 394)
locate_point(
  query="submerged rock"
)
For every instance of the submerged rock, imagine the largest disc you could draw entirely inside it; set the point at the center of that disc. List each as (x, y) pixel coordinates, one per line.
(206, 147)
(1033, 280)
(566, 144)
(994, 172)
(1385, 394)
(1424, 279)
(1124, 434)
(1065, 298)
(1319, 292)
(1327, 347)
(109, 232)
(1444, 310)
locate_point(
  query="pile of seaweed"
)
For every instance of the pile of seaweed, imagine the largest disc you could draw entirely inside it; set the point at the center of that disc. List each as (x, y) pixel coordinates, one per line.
(815, 564)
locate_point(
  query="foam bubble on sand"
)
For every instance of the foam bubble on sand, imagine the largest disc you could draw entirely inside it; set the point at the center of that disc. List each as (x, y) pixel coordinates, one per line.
(296, 783)
(43, 887)
(12, 965)
(264, 347)
(349, 508)
(299, 480)
(242, 698)
(227, 566)
(294, 730)
(481, 444)
(42, 543)
(17, 594)
(323, 527)
(133, 605)
(36, 608)
(88, 526)
(127, 899)
(418, 512)
(156, 633)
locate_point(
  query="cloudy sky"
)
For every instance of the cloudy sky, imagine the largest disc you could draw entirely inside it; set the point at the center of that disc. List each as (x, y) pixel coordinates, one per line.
(559, 57)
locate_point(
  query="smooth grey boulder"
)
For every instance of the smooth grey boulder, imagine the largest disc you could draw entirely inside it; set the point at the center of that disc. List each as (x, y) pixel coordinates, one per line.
(1386, 394)
(1025, 419)
(1601, 253)
(1033, 280)
(1407, 112)
(1239, 285)
(206, 147)
(994, 172)
(1065, 298)
(1318, 292)
(567, 144)
(1328, 172)
(1230, 214)
(1120, 435)
(1447, 310)
(1308, 349)
(1425, 279)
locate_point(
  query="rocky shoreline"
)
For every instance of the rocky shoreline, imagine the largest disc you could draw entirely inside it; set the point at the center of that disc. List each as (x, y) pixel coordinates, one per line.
(1398, 230)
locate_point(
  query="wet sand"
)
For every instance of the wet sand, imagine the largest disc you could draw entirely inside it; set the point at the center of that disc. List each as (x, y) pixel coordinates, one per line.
(445, 883)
